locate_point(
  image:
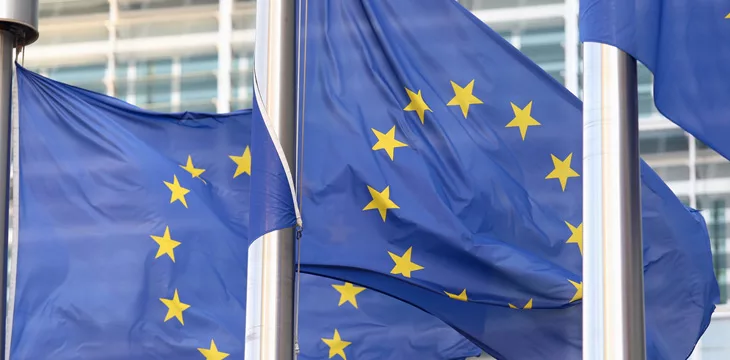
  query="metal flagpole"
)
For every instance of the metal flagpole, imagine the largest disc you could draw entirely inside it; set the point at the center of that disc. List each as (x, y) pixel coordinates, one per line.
(18, 27)
(270, 292)
(613, 285)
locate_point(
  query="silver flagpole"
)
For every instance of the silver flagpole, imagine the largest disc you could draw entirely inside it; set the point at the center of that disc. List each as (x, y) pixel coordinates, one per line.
(270, 291)
(18, 27)
(613, 278)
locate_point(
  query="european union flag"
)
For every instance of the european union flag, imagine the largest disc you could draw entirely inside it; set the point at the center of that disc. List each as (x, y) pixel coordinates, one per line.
(441, 166)
(133, 242)
(685, 44)
(344, 319)
(132, 229)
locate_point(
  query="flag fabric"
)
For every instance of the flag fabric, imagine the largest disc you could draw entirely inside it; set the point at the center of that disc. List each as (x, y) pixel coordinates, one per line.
(685, 45)
(272, 189)
(443, 167)
(133, 242)
(346, 321)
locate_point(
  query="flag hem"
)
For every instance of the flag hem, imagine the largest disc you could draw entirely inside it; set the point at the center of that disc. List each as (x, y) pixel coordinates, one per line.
(277, 146)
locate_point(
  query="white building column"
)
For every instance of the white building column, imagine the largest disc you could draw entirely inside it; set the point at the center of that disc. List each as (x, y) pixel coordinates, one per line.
(225, 56)
(175, 98)
(132, 82)
(570, 45)
(111, 65)
(692, 163)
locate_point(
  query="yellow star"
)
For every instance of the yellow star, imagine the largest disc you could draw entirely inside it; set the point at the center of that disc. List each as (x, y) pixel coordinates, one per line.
(461, 297)
(727, 16)
(576, 236)
(417, 104)
(189, 167)
(348, 293)
(212, 353)
(527, 306)
(243, 162)
(337, 345)
(463, 97)
(175, 308)
(578, 290)
(381, 201)
(178, 192)
(167, 244)
(403, 264)
(522, 119)
(387, 141)
(562, 170)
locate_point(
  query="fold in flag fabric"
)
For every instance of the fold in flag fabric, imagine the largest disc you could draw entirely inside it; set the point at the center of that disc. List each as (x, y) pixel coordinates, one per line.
(271, 190)
(685, 45)
(441, 166)
(133, 243)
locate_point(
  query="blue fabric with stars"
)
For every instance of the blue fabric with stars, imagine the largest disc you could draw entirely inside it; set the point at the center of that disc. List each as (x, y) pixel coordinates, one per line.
(483, 202)
(89, 284)
(271, 179)
(684, 43)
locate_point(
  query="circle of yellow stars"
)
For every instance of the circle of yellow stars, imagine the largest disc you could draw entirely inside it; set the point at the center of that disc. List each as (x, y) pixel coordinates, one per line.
(167, 245)
(464, 99)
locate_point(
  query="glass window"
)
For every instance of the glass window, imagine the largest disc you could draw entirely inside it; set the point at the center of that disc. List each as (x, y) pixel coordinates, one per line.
(242, 81)
(167, 26)
(158, 4)
(242, 104)
(72, 7)
(198, 87)
(200, 106)
(199, 84)
(714, 207)
(506, 34)
(121, 90)
(152, 86)
(673, 173)
(646, 93)
(199, 63)
(151, 91)
(684, 199)
(701, 145)
(150, 68)
(646, 104)
(713, 171)
(656, 142)
(643, 74)
(495, 4)
(90, 77)
(545, 47)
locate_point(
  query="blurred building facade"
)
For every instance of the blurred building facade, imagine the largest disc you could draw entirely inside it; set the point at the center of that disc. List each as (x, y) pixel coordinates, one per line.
(197, 55)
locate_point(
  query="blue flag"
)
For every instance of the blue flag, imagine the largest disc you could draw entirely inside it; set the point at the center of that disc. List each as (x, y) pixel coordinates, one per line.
(271, 189)
(344, 319)
(443, 167)
(684, 44)
(133, 242)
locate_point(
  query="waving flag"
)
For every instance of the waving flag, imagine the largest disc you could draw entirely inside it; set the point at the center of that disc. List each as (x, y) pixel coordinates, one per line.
(685, 44)
(133, 242)
(441, 166)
